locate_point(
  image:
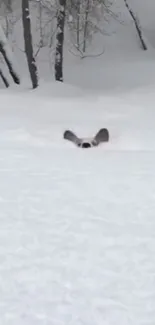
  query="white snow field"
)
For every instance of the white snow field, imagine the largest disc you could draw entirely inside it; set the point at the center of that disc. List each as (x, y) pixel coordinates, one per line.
(77, 227)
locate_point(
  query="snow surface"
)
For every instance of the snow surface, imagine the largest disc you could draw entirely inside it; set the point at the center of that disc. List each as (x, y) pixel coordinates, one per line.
(77, 235)
(77, 227)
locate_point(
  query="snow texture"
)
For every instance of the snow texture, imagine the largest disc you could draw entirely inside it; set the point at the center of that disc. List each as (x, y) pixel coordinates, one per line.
(77, 227)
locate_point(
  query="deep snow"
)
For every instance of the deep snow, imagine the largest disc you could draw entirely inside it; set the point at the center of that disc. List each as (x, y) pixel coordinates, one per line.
(77, 235)
(77, 227)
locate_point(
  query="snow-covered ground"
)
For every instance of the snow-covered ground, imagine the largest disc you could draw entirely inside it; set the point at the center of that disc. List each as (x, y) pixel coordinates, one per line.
(77, 227)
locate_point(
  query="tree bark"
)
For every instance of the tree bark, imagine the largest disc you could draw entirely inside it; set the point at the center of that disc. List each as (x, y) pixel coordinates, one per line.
(78, 8)
(6, 51)
(12, 71)
(85, 26)
(28, 43)
(144, 46)
(60, 41)
(4, 79)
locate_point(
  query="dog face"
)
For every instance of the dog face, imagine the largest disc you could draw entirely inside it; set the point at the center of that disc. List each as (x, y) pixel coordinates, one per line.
(87, 143)
(101, 136)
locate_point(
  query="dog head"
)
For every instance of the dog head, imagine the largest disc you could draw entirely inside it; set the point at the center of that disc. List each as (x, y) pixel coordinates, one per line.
(87, 143)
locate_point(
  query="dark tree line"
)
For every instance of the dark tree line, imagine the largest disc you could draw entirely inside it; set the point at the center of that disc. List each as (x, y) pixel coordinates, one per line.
(61, 15)
(29, 45)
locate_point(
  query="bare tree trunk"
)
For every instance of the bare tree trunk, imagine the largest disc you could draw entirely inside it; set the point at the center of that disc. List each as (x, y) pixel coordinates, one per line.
(60, 41)
(13, 73)
(40, 24)
(28, 43)
(85, 27)
(78, 24)
(6, 51)
(4, 79)
(144, 46)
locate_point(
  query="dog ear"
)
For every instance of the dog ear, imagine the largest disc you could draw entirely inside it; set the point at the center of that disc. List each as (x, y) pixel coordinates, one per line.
(68, 135)
(102, 136)
(71, 136)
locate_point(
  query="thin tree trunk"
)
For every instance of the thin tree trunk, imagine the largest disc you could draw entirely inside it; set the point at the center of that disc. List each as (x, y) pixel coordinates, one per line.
(144, 46)
(9, 64)
(85, 27)
(4, 79)
(28, 43)
(60, 41)
(8, 56)
(40, 24)
(78, 25)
